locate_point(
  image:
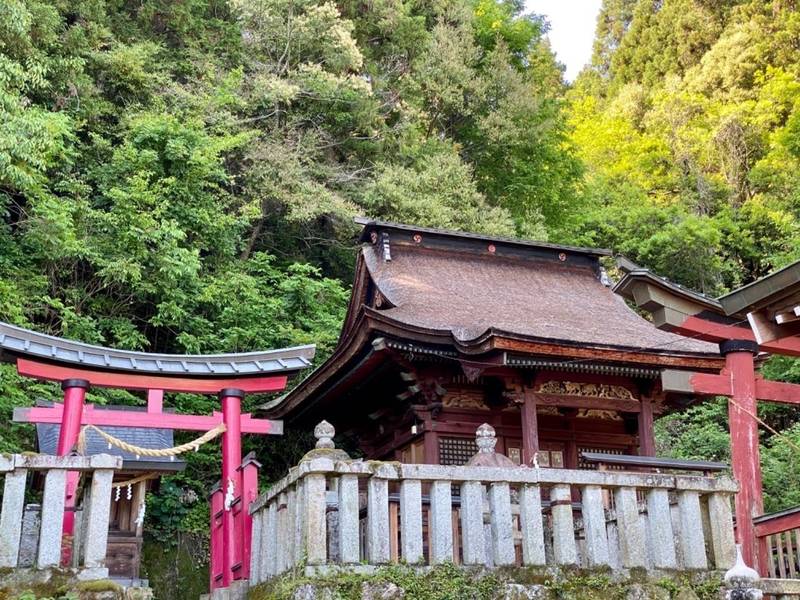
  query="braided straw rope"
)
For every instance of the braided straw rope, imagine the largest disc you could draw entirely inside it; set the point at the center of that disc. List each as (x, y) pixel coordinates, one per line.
(139, 451)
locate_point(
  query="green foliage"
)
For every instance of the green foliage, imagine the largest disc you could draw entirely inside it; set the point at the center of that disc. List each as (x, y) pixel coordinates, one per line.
(685, 125)
(182, 177)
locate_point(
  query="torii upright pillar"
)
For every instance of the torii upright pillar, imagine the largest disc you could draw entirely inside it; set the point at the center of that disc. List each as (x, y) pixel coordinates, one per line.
(74, 398)
(231, 400)
(745, 454)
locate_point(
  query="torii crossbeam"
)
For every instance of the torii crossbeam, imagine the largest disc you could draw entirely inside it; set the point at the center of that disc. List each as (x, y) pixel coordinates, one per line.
(78, 367)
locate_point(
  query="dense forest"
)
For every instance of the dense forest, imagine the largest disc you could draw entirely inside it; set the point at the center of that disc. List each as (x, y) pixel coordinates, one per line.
(182, 176)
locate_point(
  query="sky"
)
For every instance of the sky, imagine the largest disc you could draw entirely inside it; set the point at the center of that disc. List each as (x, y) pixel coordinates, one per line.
(571, 29)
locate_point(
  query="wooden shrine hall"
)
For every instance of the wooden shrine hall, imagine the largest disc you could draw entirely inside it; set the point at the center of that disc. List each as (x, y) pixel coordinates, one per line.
(446, 330)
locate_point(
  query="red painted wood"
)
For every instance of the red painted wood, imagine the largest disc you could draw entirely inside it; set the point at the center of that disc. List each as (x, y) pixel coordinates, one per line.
(745, 457)
(430, 444)
(699, 328)
(775, 391)
(215, 569)
(530, 428)
(72, 409)
(120, 418)
(778, 525)
(155, 401)
(712, 385)
(132, 381)
(647, 442)
(720, 385)
(565, 400)
(231, 483)
(788, 346)
(249, 494)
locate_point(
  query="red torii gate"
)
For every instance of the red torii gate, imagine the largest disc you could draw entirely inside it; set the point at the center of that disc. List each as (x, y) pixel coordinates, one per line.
(763, 316)
(78, 367)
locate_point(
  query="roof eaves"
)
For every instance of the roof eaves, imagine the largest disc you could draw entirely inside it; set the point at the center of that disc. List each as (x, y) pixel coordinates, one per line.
(376, 224)
(762, 291)
(17, 341)
(624, 287)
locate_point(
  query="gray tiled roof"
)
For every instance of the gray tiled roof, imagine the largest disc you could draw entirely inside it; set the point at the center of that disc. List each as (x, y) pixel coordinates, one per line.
(47, 438)
(16, 341)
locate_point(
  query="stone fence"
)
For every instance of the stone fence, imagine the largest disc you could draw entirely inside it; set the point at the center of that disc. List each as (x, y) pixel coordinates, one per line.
(88, 560)
(330, 511)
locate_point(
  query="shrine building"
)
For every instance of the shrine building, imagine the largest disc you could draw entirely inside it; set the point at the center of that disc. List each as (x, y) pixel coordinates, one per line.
(448, 330)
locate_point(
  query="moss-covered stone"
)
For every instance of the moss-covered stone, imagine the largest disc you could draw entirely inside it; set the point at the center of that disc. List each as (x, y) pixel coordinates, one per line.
(176, 572)
(55, 584)
(448, 582)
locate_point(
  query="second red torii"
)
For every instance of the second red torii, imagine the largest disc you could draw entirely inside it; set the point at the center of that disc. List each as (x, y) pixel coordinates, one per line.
(78, 367)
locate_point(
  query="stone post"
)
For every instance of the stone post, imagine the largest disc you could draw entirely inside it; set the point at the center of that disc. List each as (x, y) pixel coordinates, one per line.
(313, 495)
(97, 521)
(411, 520)
(11, 516)
(55, 485)
(349, 551)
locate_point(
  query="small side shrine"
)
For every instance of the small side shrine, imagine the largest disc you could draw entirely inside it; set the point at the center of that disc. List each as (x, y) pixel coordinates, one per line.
(138, 476)
(447, 330)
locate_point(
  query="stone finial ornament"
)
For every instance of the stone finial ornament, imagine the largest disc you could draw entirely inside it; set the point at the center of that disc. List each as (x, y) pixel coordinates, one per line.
(741, 579)
(324, 433)
(486, 439)
(325, 448)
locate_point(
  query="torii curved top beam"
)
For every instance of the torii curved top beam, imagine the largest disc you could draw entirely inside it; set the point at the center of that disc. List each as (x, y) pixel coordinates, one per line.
(16, 342)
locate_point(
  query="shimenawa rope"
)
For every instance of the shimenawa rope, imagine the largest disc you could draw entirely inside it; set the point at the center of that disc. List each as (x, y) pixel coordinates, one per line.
(139, 451)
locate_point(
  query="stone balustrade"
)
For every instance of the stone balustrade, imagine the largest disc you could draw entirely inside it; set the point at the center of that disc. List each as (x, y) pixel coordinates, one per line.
(332, 511)
(99, 469)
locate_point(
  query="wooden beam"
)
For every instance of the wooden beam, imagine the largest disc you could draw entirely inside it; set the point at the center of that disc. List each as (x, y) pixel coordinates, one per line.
(132, 381)
(631, 406)
(145, 420)
(710, 331)
(606, 354)
(647, 442)
(708, 384)
(776, 391)
(778, 524)
(530, 426)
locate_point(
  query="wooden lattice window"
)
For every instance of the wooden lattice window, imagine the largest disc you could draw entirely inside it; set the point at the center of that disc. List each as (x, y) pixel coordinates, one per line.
(456, 451)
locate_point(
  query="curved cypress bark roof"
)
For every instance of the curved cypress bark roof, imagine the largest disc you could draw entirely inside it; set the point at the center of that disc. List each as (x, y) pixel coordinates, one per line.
(475, 297)
(19, 342)
(472, 295)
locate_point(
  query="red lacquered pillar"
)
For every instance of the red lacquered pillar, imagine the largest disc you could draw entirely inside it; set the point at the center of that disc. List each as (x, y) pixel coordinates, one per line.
(249, 470)
(74, 399)
(216, 568)
(745, 455)
(231, 400)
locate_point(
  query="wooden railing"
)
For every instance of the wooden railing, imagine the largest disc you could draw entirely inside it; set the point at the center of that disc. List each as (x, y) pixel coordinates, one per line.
(338, 512)
(780, 535)
(90, 558)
